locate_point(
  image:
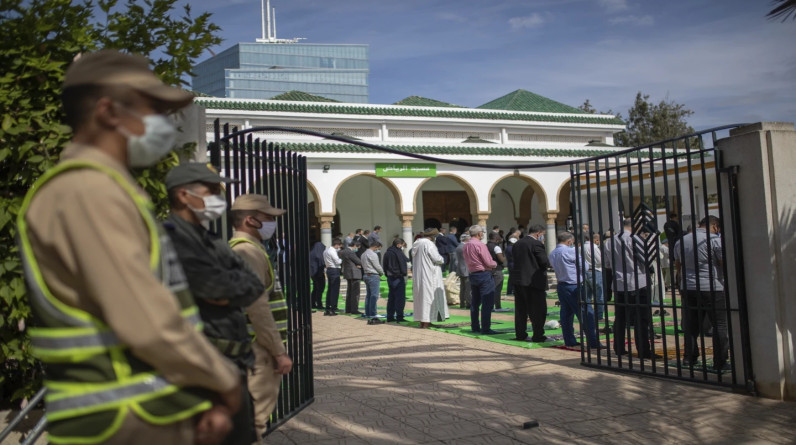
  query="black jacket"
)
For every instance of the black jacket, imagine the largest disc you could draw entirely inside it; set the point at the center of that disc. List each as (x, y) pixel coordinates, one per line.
(214, 273)
(395, 262)
(317, 264)
(530, 263)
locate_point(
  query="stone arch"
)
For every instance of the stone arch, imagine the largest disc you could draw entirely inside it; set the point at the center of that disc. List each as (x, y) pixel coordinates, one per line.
(534, 189)
(390, 186)
(563, 198)
(468, 188)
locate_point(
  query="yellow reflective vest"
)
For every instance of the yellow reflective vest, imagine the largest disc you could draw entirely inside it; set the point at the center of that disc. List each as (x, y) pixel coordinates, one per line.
(92, 379)
(276, 298)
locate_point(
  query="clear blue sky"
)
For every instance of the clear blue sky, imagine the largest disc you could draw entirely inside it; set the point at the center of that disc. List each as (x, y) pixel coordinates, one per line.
(722, 59)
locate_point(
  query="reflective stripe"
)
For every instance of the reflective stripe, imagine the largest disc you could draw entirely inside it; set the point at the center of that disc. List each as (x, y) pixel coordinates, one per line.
(57, 404)
(105, 339)
(281, 325)
(278, 304)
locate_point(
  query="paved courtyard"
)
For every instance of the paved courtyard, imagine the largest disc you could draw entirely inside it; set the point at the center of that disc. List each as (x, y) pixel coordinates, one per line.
(392, 384)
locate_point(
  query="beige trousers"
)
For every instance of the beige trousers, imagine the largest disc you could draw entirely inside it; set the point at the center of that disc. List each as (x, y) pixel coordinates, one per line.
(263, 387)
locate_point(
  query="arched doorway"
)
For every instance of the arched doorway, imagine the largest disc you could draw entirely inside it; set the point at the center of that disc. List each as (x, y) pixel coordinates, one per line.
(445, 201)
(363, 201)
(516, 201)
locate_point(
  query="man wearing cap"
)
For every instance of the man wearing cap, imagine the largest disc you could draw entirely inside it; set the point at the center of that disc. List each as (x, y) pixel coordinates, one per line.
(219, 279)
(105, 283)
(254, 221)
(428, 289)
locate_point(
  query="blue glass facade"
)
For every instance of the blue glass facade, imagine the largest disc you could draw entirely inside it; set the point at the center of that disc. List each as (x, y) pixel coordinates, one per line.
(264, 70)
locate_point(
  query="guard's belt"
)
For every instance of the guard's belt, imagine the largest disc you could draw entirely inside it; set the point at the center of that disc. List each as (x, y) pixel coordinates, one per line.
(231, 348)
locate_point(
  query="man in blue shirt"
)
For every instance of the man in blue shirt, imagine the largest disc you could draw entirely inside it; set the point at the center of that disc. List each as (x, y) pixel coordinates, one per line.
(562, 258)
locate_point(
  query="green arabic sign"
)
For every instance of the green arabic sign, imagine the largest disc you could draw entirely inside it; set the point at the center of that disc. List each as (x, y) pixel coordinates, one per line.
(406, 170)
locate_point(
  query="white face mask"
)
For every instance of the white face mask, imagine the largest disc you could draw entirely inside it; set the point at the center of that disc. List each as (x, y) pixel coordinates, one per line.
(215, 205)
(512, 240)
(157, 141)
(541, 238)
(267, 229)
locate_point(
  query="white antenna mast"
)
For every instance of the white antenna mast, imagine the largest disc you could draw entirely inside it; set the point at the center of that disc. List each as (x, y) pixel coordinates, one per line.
(269, 25)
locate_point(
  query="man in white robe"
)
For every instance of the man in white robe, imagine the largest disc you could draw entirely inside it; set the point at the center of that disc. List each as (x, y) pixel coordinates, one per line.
(428, 289)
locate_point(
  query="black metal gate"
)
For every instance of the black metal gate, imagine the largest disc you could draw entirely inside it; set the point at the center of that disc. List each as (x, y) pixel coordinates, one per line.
(264, 168)
(666, 308)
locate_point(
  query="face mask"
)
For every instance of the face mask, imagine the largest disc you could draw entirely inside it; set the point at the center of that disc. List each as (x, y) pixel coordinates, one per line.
(541, 238)
(512, 240)
(377, 250)
(157, 141)
(215, 205)
(267, 229)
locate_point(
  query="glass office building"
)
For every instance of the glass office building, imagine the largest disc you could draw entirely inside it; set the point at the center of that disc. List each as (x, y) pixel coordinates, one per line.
(264, 70)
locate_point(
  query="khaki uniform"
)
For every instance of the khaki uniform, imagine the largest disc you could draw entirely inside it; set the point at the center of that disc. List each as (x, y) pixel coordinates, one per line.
(263, 381)
(93, 249)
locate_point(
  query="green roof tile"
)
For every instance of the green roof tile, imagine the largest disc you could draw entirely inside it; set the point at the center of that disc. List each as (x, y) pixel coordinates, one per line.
(364, 110)
(521, 100)
(447, 150)
(300, 96)
(417, 101)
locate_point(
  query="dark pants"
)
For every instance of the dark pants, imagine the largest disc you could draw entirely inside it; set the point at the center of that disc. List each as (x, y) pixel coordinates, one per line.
(510, 284)
(568, 295)
(635, 306)
(465, 293)
(243, 431)
(697, 305)
(529, 302)
(396, 298)
(352, 295)
(497, 276)
(482, 286)
(318, 285)
(333, 291)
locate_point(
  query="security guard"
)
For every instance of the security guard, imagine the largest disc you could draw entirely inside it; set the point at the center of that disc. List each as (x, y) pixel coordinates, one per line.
(116, 326)
(254, 220)
(220, 280)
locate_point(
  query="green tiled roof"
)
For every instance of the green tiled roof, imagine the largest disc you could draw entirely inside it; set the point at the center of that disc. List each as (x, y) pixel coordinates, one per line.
(300, 96)
(444, 150)
(522, 100)
(366, 110)
(417, 101)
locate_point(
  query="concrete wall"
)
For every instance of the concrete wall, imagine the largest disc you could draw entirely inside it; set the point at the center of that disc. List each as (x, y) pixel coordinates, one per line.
(766, 156)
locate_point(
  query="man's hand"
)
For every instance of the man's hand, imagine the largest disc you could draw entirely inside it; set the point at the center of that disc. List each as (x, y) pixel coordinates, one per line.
(283, 364)
(213, 426)
(231, 399)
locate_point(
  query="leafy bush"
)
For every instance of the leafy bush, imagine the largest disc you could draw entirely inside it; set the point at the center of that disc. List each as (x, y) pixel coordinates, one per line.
(40, 39)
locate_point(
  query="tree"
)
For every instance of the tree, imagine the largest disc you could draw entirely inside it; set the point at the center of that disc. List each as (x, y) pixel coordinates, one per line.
(648, 122)
(40, 39)
(587, 107)
(784, 9)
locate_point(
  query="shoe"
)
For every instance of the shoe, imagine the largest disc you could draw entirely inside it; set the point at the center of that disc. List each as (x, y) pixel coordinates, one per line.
(620, 353)
(390, 320)
(541, 339)
(573, 346)
(650, 356)
(358, 313)
(723, 368)
(598, 346)
(333, 313)
(400, 320)
(690, 363)
(666, 313)
(607, 330)
(489, 332)
(656, 313)
(520, 339)
(475, 331)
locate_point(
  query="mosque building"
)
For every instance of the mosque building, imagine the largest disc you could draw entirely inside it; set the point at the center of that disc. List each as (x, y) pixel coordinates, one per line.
(354, 187)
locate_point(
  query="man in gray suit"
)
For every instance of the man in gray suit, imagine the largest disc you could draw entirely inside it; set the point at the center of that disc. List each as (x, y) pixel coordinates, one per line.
(464, 274)
(352, 272)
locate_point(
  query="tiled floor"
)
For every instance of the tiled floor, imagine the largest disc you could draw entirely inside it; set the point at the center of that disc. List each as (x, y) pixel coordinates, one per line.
(391, 384)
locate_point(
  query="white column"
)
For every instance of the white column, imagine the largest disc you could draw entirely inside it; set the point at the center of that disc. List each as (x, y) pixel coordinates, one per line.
(406, 231)
(550, 236)
(326, 230)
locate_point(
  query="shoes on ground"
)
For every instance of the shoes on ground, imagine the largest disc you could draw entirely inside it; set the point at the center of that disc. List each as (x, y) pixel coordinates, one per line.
(489, 332)
(520, 339)
(575, 345)
(723, 368)
(651, 356)
(607, 330)
(598, 346)
(541, 339)
(330, 313)
(400, 320)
